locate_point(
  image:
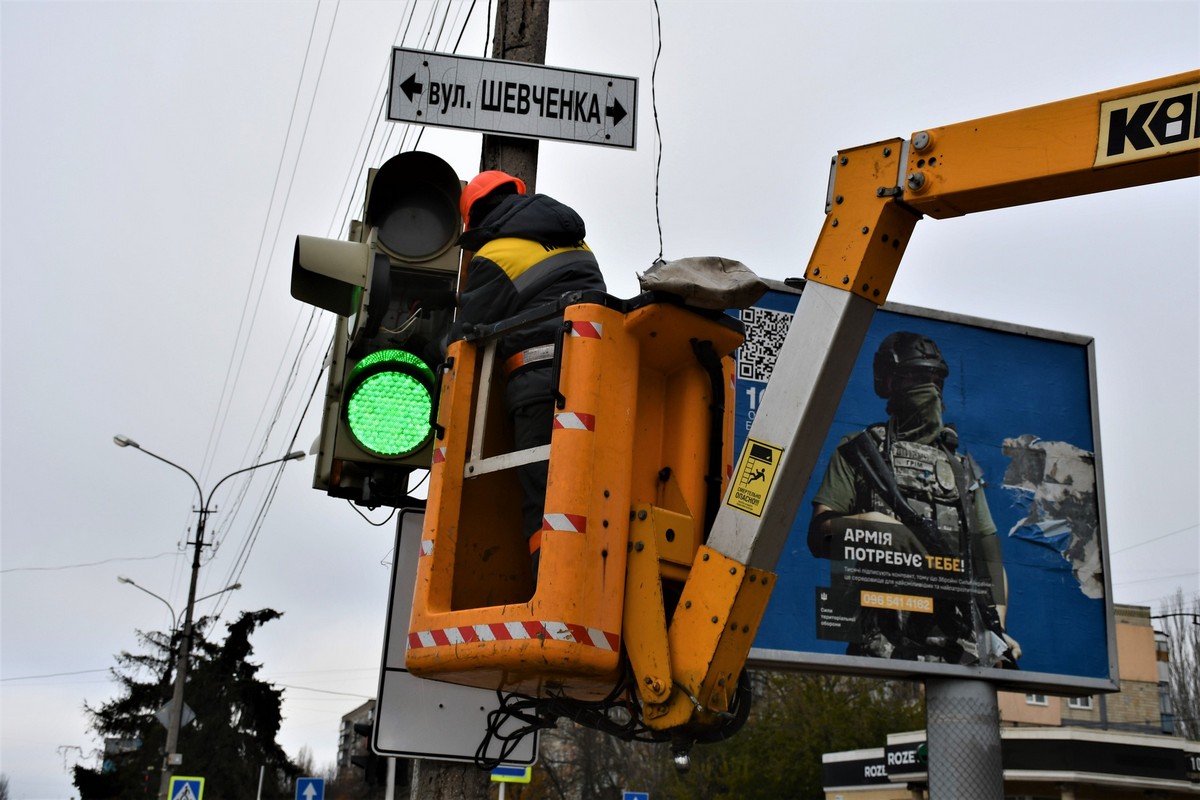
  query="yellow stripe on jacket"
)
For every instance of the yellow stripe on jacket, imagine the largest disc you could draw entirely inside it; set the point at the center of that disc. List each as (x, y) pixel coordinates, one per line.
(515, 256)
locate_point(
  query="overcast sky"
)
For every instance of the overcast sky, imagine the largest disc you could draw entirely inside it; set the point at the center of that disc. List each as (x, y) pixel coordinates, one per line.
(160, 157)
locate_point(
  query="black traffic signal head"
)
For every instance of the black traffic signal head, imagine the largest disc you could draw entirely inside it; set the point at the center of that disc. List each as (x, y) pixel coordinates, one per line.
(393, 285)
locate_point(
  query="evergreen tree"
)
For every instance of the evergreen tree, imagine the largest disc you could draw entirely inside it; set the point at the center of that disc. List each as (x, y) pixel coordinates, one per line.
(232, 737)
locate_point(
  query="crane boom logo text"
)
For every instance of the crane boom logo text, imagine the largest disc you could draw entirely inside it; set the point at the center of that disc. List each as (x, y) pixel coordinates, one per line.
(1149, 125)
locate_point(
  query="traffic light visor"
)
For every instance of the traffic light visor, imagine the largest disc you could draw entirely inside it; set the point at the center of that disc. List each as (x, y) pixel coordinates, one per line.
(413, 206)
(388, 403)
(330, 273)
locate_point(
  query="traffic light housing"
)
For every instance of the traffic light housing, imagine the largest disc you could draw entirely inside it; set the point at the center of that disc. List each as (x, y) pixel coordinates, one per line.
(392, 285)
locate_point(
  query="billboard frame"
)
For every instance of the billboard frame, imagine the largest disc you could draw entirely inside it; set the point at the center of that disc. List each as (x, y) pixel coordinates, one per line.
(1013, 680)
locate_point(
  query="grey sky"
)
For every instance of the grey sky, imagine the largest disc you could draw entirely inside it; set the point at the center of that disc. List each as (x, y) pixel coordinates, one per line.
(159, 157)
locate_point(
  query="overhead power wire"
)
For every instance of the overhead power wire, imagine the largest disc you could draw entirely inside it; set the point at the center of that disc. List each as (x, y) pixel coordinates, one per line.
(487, 30)
(223, 406)
(657, 129)
(228, 388)
(242, 559)
(243, 486)
(252, 538)
(286, 198)
(1155, 539)
(233, 374)
(54, 675)
(358, 172)
(61, 567)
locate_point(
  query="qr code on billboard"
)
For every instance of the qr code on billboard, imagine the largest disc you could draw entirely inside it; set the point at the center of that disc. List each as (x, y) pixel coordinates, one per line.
(765, 331)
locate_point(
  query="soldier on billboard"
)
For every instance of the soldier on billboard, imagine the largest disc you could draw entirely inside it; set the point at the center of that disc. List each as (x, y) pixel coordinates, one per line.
(899, 499)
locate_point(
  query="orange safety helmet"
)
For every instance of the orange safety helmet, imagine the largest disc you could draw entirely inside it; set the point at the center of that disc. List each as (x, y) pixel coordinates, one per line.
(482, 185)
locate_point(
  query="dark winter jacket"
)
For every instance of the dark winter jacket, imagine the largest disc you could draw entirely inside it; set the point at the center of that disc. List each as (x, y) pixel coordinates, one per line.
(529, 251)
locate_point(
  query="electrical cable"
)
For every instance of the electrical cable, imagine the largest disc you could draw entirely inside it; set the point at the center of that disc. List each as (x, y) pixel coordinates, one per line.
(487, 29)
(618, 714)
(358, 511)
(214, 433)
(657, 128)
(286, 198)
(243, 556)
(229, 388)
(87, 564)
(243, 486)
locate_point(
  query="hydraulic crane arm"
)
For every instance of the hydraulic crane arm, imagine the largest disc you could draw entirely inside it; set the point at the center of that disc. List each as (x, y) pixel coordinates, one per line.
(1139, 134)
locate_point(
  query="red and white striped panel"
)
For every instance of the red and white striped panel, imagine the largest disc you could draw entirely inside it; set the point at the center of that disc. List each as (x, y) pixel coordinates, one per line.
(439, 455)
(515, 631)
(574, 421)
(587, 330)
(426, 547)
(568, 523)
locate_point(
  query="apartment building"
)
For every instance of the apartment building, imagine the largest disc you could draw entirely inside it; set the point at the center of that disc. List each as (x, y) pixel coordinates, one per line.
(1116, 746)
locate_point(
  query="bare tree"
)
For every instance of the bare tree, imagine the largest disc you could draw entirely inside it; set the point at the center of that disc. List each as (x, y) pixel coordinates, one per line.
(304, 761)
(1181, 622)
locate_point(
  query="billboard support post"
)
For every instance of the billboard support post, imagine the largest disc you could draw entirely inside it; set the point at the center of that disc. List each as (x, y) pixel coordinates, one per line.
(962, 723)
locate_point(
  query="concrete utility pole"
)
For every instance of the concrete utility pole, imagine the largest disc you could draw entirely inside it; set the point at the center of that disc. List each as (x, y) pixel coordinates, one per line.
(521, 27)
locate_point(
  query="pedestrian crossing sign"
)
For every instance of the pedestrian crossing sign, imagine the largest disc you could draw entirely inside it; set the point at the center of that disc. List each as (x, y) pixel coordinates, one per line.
(186, 788)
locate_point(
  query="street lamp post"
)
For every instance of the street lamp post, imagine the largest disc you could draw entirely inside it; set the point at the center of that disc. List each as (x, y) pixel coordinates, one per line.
(174, 617)
(173, 759)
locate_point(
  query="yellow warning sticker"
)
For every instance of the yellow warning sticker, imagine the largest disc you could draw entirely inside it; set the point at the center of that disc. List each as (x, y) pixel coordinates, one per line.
(754, 476)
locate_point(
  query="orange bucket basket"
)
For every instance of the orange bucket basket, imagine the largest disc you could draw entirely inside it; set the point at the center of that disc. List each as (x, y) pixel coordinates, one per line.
(643, 419)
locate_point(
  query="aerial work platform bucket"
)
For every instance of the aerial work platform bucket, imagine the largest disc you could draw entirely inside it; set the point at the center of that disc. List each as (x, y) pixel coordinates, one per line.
(642, 429)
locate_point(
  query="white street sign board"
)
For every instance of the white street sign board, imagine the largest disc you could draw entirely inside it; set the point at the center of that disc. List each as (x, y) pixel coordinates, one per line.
(512, 98)
(419, 718)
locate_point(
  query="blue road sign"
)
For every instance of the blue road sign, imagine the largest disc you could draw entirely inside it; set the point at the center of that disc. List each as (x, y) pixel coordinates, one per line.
(310, 789)
(506, 773)
(181, 788)
(635, 796)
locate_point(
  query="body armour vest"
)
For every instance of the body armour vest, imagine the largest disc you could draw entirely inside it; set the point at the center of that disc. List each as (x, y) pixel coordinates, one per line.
(925, 475)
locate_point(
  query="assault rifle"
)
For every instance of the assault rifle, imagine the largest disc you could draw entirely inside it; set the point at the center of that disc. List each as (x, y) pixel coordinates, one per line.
(863, 455)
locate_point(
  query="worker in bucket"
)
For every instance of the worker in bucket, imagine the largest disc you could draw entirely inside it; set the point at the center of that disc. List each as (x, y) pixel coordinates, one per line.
(903, 516)
(529, 250)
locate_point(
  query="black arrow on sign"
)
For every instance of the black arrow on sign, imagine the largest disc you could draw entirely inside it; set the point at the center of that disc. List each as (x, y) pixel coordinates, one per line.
(411, 87)
(616, 111)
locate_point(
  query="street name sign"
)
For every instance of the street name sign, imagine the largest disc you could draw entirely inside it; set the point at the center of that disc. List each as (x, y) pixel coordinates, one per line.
(512, 98)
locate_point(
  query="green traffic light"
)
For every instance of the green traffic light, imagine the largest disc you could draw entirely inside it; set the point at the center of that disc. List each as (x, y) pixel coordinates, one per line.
(388, 403)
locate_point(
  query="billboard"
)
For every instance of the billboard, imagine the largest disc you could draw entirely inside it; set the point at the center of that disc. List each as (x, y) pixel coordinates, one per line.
(953, 524)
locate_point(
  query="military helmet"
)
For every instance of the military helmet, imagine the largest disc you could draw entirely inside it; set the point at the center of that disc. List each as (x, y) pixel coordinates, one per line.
(903, 353)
